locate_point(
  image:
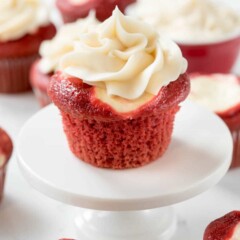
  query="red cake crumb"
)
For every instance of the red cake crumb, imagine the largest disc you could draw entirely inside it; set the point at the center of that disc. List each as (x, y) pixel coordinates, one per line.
(5, 152)
(103, 137)
(222, 228)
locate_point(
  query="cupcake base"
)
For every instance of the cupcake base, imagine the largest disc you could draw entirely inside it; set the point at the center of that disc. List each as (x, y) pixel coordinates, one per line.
(120, 144)
(15, 74)
(104, 137)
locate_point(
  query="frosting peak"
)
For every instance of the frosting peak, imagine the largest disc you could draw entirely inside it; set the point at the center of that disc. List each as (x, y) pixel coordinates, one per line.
(20, 17)
(126, 57)
(52, 50)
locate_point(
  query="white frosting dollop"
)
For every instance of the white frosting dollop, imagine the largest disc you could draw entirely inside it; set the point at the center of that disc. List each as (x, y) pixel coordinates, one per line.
(52, 50)
(20, 17)
(189, 21)
(217, 92)
(126, 57)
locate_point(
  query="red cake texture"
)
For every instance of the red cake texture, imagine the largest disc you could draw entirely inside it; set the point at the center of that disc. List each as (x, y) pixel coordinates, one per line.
(223, 228)
(73, 11)
(17, 56)
(5, 153)
(103, 137)
(39, 82)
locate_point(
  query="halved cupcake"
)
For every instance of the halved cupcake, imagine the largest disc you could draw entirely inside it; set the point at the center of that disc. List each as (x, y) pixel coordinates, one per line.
(23, 26)
(5, 154)
(118, 92)
(50, 53)
(221, 94)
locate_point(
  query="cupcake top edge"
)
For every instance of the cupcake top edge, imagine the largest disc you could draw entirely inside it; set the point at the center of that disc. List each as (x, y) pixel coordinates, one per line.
(21, 17)
(124, 56)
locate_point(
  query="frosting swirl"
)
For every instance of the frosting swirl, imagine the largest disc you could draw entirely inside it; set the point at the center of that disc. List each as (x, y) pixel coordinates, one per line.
(52, 50)
(124, 56)
(20, 17)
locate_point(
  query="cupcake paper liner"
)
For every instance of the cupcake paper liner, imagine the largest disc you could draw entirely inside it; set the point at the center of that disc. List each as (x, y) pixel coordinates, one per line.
(15, 74)
(120, 144)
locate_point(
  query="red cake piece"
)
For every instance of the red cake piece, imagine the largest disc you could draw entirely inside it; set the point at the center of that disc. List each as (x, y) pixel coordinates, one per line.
(73, 10)
(17, 56)
(39, 82)
(5, 153)
(230, 114)
(224, 228)
(103, 137)
(221, 94)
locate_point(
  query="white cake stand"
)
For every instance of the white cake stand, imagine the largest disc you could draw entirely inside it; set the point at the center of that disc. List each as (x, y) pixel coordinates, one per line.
(126, 204)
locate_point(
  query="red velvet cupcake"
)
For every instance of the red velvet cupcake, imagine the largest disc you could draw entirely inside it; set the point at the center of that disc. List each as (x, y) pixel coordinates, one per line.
(118, 92)
(221, 94)
(5, 153)
(72, 10)
(50, 53)
(226, 227)
(20, 38)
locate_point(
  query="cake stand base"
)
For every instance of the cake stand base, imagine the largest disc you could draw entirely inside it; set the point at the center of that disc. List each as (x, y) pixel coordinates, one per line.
(155, 224)
(126, 204)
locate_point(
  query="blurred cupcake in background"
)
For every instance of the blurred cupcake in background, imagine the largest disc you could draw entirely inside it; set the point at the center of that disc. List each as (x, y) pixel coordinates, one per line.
(6, 148)
(23, 26)
(207, 32)
(51, 52)
(221, 94)
(72, 10)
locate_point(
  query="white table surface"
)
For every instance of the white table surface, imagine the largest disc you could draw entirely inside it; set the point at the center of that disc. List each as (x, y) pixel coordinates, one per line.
(26, 214)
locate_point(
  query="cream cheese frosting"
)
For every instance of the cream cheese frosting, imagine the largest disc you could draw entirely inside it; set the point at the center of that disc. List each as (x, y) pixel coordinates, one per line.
(20, 17)
(125, 57)
(217, 92)
(52, 50)
(189, 21)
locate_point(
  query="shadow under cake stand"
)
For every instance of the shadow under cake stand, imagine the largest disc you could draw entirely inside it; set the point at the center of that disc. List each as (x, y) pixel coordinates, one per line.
(129, 204)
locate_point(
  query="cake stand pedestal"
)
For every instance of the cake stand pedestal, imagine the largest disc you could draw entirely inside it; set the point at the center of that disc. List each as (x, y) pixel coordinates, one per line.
(131, 204)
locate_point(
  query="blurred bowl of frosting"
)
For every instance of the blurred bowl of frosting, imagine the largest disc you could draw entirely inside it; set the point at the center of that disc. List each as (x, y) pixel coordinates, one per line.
(208, 32)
